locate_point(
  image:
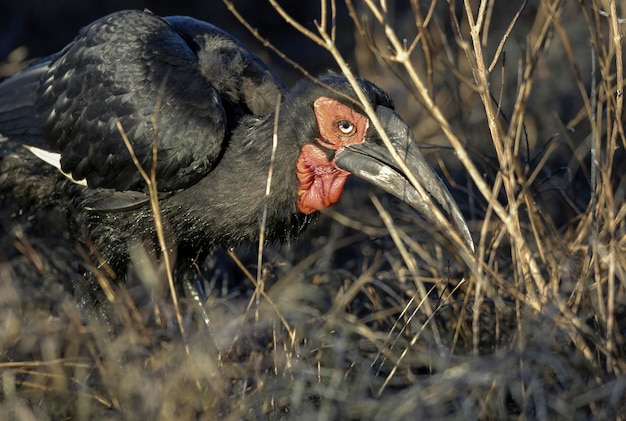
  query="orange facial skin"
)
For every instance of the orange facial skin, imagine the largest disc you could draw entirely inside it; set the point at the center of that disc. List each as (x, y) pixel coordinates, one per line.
(320, 182)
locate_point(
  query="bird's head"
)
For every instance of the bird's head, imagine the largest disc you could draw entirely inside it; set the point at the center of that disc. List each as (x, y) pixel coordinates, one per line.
(341, 140)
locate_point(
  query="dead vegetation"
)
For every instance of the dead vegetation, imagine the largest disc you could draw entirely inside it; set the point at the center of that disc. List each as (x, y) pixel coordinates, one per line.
(368, 317)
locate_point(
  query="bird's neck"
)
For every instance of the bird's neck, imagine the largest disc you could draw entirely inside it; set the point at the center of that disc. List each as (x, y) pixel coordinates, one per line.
(230, 201)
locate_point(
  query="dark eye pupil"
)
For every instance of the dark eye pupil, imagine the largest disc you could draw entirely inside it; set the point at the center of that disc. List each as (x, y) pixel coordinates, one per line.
(345, 126)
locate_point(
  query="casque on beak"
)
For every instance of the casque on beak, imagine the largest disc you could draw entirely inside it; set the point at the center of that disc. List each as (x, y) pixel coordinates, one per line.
(372, 162)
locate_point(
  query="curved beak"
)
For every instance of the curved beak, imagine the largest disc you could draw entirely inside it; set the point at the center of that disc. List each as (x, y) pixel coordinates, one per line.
(373, 163)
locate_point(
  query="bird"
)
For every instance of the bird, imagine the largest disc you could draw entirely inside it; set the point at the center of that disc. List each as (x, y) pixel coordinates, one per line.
(212, 110)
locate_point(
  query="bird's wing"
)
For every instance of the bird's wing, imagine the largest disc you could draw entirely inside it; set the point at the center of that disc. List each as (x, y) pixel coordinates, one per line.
(238, 74)
(150, 75)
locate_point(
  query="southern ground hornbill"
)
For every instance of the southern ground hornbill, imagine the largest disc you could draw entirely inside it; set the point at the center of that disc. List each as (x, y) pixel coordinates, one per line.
(209, 104)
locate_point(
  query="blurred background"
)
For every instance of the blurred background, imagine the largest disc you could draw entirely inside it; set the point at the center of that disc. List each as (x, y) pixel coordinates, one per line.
(44, 27)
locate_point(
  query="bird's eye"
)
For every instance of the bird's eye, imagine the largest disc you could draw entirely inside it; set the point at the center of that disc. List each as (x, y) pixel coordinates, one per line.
(345, 128)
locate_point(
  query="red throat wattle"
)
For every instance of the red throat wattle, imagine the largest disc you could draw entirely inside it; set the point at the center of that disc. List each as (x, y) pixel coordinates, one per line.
(320, 182)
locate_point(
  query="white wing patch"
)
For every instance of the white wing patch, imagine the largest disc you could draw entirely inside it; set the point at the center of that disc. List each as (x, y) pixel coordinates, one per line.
(54, 159)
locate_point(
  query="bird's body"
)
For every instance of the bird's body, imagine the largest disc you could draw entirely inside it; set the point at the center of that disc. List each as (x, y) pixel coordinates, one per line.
(209, 105)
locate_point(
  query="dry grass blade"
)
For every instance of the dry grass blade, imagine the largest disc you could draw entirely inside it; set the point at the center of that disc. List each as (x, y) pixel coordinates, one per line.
(268, 188)
(151, 182)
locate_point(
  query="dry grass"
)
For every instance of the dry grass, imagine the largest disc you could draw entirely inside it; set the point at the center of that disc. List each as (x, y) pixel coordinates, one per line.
(367, 317)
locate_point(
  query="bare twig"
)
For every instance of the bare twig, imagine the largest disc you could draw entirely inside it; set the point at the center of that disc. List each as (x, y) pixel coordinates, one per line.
(268, 189)
(151, 182)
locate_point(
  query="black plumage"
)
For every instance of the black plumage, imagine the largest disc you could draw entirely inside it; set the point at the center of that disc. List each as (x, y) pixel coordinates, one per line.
(209, 104)
(127, 67)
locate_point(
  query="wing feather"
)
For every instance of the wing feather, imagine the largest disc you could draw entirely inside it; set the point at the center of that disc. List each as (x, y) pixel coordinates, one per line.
(177, 81)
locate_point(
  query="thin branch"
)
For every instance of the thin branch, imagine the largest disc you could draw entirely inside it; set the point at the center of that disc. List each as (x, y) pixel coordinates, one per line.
(265, 42)
(268, 190)
(294, 23)
(156, 213)
(509, 29)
